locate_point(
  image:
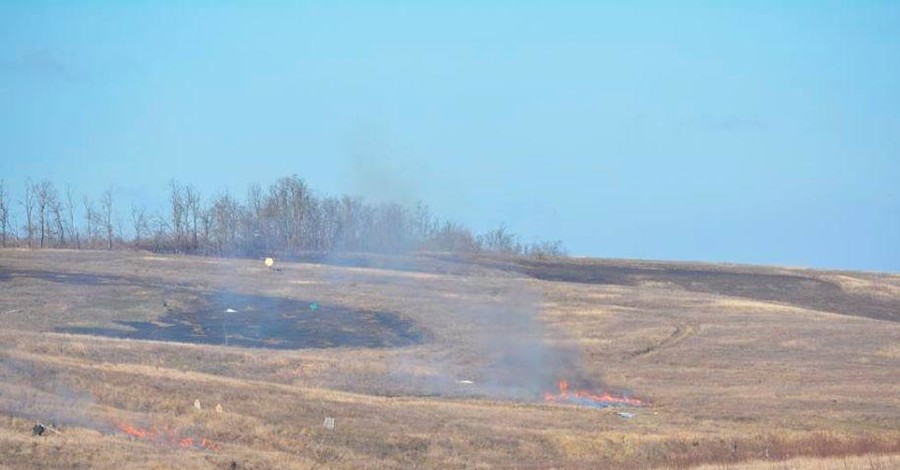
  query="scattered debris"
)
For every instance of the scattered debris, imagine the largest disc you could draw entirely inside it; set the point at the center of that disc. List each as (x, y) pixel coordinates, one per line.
(197, 405)
(314, 306)
(625, 414)
(329, 423)
(230, 310)
(465, 381)
(40, 428)
(219, 408)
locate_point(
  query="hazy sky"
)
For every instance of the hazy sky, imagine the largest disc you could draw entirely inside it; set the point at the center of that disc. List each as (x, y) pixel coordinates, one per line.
(762, 133)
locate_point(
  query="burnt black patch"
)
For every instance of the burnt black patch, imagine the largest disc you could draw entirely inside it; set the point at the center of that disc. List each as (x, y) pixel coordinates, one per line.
(81, 279)
(793, 289)
(253, 321)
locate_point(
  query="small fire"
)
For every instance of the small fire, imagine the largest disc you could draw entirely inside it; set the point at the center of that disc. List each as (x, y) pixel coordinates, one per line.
(166, 437)
(585, 398)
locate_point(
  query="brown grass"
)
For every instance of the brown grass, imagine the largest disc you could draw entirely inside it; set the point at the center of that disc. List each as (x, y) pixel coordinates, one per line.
(736, 381)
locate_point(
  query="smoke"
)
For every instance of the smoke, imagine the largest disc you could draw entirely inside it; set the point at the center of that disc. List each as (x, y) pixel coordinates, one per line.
(517, 359)
(500, 347)
(42, 394)
(505, 351)
(379, 170)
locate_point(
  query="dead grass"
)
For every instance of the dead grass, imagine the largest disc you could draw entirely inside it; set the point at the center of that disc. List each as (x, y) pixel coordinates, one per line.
(868, 462)
(735, 382)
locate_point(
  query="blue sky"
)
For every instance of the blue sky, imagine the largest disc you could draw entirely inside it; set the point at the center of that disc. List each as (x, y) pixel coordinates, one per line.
(761, 132)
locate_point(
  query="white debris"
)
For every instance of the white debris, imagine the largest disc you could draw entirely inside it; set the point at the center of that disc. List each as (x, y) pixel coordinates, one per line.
(230, 310)
(467, 382)
(219, 408)
(197, 405)
(329, 423)
(625, 414)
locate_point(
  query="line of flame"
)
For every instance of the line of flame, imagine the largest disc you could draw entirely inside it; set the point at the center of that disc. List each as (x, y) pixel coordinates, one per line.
(606, 398)
(166, 437)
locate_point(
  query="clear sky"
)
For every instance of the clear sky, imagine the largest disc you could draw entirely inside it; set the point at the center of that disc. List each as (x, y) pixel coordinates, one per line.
(764, 132)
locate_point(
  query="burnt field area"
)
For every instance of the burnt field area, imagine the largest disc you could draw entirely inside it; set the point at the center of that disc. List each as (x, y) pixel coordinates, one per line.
(801, 289)
(436, 361)
(243, 320)
(254, 321)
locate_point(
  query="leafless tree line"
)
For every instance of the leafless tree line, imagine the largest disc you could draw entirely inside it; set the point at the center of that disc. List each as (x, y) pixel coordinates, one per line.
(52, 219)
(285, 217)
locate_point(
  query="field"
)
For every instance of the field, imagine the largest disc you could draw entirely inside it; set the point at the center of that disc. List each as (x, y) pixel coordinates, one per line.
(140, 360)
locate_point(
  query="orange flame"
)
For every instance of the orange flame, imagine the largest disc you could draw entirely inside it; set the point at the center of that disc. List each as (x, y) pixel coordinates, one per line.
(583, 397)
(165, 437)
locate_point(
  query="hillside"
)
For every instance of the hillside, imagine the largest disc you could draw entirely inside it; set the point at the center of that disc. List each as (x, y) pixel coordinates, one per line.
(442, 361)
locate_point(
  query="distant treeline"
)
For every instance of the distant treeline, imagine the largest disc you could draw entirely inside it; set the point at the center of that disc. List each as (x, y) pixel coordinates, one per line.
(286, 218)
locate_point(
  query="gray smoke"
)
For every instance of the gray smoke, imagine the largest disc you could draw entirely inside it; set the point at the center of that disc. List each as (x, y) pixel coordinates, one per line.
(42, 394)
(504, 350)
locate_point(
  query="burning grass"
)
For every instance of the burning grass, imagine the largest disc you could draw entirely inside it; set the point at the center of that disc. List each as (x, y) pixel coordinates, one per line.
(590, 399)
(169, 437)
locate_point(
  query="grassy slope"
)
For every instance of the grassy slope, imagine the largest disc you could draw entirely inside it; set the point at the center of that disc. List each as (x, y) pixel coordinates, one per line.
(739, 362)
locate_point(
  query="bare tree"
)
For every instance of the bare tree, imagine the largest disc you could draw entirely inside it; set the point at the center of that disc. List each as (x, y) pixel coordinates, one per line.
(206, 223)
(70, 207)
(120, 225)
(139, 222)
(46, 202)
(259, 232)
(106, 207)
(28, 204)
(56, 209)
(500, 240)
(285, 216)
(41, 191)
(546, 249)
(191, 201)
(452, 237)
(329, 224)
(226, 218)
(158, 222)
(423, 223)
(176, 199)
(4, 212)
(89, 218)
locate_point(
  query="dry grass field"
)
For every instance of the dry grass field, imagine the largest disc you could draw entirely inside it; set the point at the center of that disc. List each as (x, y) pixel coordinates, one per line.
(139, 360)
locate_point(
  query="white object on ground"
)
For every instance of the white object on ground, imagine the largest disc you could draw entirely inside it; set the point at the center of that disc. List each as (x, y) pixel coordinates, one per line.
(329, 423)
(230, 310)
